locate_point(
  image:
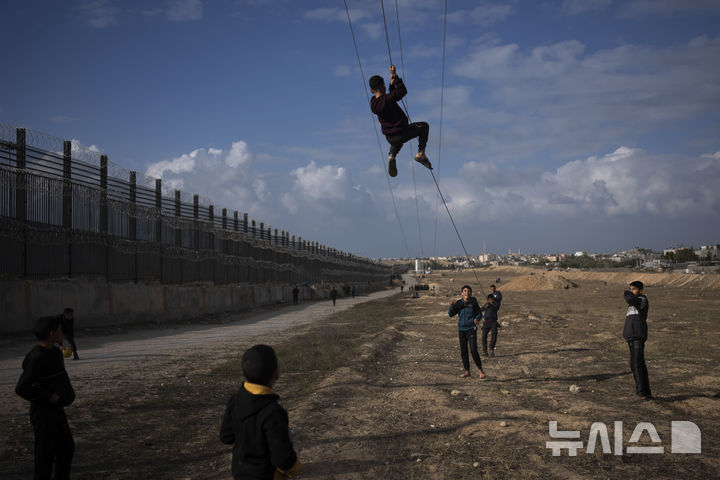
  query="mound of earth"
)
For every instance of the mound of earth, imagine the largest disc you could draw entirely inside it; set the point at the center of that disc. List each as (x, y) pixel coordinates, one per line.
(541, 281)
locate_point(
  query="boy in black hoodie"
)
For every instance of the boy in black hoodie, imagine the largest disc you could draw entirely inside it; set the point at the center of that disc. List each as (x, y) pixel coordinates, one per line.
(45, 383)
(635, 333)
(256, 425)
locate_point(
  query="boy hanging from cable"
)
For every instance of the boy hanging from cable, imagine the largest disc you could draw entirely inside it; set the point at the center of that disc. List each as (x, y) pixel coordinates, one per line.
(393, 120)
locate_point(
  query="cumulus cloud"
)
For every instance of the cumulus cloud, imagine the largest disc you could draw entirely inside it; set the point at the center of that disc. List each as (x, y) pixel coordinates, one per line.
(628, 181)
(225, 176)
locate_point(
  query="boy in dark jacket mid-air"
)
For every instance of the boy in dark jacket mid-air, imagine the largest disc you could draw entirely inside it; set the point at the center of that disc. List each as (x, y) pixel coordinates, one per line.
(635, 333)
(468, 311)
(255, 423)
(45, 383)
(394, 122)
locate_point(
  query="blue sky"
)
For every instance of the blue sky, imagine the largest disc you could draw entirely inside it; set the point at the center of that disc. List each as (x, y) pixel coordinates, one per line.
(567, 124)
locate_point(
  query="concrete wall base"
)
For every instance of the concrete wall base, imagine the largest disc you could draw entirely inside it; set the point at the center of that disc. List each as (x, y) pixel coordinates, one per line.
(98, 303)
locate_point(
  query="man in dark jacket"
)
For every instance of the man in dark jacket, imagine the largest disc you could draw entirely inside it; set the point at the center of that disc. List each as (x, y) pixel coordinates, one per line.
(45, 383)
(255, 423)
(467, 310)
(490, 324)
(635, 333)
(393, 120)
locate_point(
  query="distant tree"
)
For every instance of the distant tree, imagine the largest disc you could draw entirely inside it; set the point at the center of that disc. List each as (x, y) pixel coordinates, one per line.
(685, 255)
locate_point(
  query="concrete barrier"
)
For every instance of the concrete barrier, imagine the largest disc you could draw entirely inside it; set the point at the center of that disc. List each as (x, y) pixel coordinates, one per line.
(99, 303)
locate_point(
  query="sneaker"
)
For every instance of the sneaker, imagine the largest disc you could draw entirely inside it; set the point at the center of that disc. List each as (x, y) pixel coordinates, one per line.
(492, 352)
(392, 167)
(485, 354)
(423, 160)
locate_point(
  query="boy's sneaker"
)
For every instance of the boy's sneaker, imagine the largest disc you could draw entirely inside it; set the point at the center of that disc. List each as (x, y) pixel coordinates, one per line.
(392, 167)
(422, 159)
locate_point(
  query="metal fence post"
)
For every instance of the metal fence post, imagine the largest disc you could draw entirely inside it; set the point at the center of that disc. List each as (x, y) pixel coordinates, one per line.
(211, 216)
(196, 217)
(67, 200)
(104, 212)
(133, 219)
(21, 190)
(158, 223)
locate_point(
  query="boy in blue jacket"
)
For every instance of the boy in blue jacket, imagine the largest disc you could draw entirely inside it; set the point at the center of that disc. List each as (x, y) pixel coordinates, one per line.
(468, 311)
(45, 383)
(635, 333)
(256, 425)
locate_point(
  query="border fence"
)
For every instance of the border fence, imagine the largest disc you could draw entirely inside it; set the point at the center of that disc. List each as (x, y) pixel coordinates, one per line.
(67, 211)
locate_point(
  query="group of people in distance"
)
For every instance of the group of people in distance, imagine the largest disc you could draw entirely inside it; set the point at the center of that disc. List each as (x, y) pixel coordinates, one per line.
(254, 422)
(470, 314)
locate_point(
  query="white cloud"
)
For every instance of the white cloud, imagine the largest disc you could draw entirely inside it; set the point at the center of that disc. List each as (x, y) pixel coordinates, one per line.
(238, 155)
(184, 10)
(98, 13)
(625, 182)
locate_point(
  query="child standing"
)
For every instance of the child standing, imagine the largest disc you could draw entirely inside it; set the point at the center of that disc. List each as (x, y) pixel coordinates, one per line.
(255, 423)
(45, 383)
(635, 333)
(467, 310)
(490, 324)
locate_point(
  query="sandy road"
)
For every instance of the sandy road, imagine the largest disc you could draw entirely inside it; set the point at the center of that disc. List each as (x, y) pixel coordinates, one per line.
(171, 342)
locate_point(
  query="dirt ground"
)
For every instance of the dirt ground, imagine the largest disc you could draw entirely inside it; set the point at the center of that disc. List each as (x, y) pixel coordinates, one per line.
(373, 391)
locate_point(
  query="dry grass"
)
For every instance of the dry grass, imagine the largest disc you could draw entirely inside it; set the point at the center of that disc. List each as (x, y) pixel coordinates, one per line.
(368, 393)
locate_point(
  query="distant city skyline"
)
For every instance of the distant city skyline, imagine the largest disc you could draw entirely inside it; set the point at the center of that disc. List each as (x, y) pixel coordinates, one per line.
(567, 125)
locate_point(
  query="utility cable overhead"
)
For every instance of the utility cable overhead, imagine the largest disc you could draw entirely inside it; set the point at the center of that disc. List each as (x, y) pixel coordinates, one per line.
(377, 135)
(442, 95)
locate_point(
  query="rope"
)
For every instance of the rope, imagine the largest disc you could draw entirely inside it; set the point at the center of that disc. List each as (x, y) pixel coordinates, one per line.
(442, 94)
(458, 233)
(407, 112)
(377, 135)
(387, 37)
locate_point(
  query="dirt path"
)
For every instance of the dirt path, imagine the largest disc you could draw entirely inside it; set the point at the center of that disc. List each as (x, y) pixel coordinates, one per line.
(137, 344)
